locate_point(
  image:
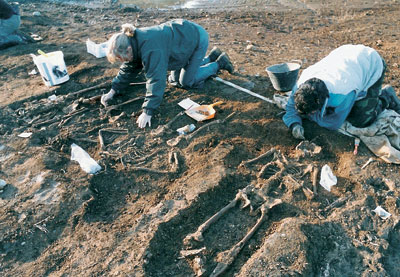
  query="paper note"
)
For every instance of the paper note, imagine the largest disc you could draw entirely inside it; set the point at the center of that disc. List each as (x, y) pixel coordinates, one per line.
(188, 104)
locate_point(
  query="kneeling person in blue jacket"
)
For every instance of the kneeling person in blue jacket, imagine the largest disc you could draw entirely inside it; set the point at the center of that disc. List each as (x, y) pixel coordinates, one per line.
(178, 46)
(345, 85)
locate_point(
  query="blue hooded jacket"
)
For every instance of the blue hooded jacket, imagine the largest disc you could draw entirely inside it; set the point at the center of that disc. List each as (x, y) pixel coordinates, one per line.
(347, 72)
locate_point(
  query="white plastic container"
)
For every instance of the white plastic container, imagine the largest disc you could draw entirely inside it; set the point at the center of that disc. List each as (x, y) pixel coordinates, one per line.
(98, 50)
(52, 68)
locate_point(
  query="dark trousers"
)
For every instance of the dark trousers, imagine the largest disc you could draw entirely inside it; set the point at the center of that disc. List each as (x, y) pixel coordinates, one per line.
(366, 110)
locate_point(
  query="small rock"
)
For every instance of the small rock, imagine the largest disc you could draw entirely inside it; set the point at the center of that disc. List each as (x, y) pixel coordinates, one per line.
(37, 14)
(251, 47)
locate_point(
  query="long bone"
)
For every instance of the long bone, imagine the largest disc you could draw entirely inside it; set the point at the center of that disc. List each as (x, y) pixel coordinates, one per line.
(198, 235)
(228, 256)
(164, 128)
(118, 106)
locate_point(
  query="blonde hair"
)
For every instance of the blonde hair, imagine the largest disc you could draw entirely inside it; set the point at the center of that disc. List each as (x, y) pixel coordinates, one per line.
(118, 44)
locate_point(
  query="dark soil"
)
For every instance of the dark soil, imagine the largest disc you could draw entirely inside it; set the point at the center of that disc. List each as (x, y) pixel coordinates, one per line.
(132, 218)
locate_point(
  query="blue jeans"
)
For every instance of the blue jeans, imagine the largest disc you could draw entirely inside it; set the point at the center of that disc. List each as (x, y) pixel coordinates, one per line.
(198, 68)
(9, 26)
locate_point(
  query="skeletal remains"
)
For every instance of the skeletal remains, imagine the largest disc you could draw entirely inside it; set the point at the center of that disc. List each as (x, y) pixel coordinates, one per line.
(275, 174)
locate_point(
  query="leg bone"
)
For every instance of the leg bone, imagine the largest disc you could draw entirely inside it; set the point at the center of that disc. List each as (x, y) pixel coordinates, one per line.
(198, 235)
(227, 257)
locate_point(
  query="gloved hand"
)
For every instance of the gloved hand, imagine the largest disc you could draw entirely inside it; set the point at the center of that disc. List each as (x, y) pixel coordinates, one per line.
(143, 120)
(298, 131)
(107, 97)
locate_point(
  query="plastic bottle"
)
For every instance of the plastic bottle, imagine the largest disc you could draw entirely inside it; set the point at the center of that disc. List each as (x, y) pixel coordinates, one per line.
(186, 129)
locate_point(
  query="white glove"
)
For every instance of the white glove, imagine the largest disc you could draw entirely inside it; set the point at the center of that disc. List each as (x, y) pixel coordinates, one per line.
(143, 120)
(107, 97)
(298, 131)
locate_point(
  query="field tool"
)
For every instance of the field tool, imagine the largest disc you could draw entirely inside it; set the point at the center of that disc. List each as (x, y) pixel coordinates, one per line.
(203, 112)
(244, 89)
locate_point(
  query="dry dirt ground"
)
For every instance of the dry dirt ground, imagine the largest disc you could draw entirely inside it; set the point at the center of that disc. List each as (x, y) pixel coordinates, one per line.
(139, 215)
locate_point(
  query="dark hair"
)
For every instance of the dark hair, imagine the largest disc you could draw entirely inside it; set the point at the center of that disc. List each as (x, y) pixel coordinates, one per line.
(310, 96)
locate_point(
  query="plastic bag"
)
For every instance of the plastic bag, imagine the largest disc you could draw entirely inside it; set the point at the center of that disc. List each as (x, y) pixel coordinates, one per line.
(382, 213)
(327, 178)
(85, 161)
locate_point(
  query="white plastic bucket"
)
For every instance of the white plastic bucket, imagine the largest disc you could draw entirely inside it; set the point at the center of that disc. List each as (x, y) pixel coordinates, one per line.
(52, 68)
(98, 50)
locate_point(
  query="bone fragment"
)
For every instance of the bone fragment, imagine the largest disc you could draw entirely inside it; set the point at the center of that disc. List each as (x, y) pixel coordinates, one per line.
(39, 124)
(109, 130)
(131, 141)
(266, 154)
(116, 131)
(264, 170)
(102, 85)
(176, 159)
(193, 252)
(41, 228)
(142, 159)
(118, 117)
(189, 137)
(337, 203)
(308, 193)
(91, 100)
(84, 140)
(150, 170)
(315, 179)
(163, 128)
(370, 160)
(116, 107)
(68, 117)
(308, 169)
(122, 162)
(101, 140)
